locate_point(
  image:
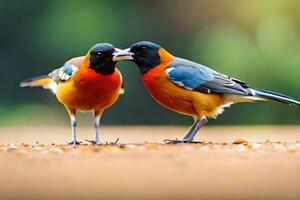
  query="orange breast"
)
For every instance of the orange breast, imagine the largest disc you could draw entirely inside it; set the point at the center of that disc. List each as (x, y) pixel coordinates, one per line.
(178, 99)
(89, 90)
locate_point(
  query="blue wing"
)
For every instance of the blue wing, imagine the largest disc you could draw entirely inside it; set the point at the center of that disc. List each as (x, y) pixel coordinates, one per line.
(196, 77)
(67, 71)
(64, 73)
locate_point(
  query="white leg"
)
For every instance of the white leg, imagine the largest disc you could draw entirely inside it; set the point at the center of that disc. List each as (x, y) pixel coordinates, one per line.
(97, 126)
(72, 114)
(97, 118)
(73, 125)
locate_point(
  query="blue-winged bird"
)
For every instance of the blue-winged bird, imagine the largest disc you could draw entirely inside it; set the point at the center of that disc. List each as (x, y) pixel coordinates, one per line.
(87, 83)
(189, 88)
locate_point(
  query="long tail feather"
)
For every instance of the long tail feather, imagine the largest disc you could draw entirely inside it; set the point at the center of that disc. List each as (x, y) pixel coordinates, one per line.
(41, 81)
(269, 95)
(37, 81)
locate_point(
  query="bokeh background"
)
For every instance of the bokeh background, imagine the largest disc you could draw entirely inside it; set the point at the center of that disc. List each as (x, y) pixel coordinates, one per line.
(256, 41)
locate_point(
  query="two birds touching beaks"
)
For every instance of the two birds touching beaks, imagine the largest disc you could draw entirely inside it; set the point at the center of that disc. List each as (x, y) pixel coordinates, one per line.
(93, 83)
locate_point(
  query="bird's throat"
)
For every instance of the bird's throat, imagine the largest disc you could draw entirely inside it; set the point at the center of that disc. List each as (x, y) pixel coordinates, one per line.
(104, 68)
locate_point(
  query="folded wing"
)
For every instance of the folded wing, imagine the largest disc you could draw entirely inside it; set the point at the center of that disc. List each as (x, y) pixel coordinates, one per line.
(196, 77)
(66, 72)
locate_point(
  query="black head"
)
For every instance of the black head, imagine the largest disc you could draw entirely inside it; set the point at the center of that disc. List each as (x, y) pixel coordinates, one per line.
(145, 55)
(101, 58)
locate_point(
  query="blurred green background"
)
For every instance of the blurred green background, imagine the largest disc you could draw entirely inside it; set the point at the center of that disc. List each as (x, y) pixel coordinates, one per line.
(256, 41)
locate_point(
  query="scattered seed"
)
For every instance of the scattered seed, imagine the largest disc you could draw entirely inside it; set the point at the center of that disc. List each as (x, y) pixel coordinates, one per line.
(240, 141)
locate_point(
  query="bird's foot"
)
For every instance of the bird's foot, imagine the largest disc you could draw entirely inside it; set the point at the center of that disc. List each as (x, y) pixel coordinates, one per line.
(74, 143)
(94, 142)
(181, 141)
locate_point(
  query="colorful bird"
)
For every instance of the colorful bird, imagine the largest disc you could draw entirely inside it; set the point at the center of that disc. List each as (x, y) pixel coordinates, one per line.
(86, 83)
(189, 88)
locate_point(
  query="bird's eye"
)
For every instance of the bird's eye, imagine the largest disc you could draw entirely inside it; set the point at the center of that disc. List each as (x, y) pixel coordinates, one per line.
(99, 54)
(143, 48)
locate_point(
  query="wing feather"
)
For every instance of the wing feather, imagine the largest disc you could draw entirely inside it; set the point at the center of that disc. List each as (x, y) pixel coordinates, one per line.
(67, 71)
(196, 77)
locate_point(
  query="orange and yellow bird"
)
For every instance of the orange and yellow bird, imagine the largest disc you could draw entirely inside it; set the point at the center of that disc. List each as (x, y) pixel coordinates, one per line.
(189, 88)
(86, 83)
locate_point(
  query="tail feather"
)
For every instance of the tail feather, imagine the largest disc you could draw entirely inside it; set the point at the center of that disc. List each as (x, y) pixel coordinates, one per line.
(42, 81)
(274, 96)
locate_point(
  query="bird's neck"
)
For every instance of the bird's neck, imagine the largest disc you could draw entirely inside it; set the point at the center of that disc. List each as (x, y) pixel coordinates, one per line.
(145, 68)
(163, 58)
(104, 68)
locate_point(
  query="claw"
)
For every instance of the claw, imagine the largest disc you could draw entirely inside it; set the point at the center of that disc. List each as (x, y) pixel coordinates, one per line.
(178, 141)
(74, 143)
(93, 142)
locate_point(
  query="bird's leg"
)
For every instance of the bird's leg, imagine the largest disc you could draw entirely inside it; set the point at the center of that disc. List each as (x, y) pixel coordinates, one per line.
(199, 122)
(72, 114)
(97, 118)
(97, 126)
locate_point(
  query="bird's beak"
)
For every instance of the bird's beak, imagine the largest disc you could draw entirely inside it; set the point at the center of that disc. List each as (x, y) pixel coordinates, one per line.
(116, 51)
(123, 55)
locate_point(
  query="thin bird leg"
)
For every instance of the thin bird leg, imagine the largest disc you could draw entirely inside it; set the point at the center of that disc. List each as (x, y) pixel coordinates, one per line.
(199, 122)
(97, 118)
(72, 113)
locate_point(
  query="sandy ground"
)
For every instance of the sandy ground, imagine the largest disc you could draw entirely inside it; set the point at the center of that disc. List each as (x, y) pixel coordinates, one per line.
(223, 167)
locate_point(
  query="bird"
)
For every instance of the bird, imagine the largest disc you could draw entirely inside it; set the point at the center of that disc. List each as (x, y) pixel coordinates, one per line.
(190, 88)
(85, 83)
